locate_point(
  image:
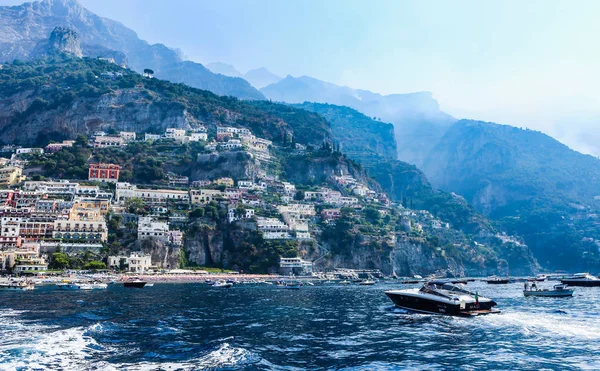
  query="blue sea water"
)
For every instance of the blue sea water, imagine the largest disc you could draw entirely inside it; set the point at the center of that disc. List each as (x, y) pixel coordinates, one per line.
(260, 327)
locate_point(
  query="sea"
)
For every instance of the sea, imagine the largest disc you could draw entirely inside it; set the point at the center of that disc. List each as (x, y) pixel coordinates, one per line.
(192, 326)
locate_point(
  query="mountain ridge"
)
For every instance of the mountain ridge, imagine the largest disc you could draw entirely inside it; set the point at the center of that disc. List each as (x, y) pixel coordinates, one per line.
(23, 26)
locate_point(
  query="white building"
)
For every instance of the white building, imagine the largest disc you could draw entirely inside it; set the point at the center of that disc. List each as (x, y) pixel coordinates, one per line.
(149, 228)
(148, 137)
(272, 229)
(124, 191)
(176, 134)
(108, 142)
(137, 263)
(231, 144)
(196, 137)
(128, 136)
(23, 151)
(232, 214)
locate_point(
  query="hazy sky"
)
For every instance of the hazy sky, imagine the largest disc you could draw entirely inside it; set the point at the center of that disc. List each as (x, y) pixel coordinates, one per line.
(525, 63)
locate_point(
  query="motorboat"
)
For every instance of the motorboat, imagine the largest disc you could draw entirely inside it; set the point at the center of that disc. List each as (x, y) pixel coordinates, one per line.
(135, 283)
(222, 284)
(497, 280)
(17, 286)
(558, 291)
(94, 285)
(344, 282)
(367, 283)
(448, 299)
(289, 285)
(68, 285)
(581, 279)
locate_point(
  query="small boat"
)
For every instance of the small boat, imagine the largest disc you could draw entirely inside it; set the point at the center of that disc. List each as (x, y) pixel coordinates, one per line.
(150, 284)
(18, 286)
(497, 280)
(581, 279)
(222, 284)
(135, 283)
(367, 283)
(94, 285)
(344, 282)
(448, 299)
(289, 285)
(558, 291)
(68, 286)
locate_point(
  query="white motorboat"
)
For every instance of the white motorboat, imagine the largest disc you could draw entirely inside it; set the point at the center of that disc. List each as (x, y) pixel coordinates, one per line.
(367, 283)
(448, 299)
(222, 284)
(581, 279)
(558, 291)
(17, 286)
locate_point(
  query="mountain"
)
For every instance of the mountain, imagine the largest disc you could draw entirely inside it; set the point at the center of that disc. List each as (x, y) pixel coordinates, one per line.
(24, 27)
(223, 69)
(533, 184)
(62, 96)
(261, 77)
(417, 118)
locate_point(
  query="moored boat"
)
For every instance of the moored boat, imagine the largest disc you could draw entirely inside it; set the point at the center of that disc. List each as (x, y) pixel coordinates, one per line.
(558, 291)
(367, 283)
(17, 286)
(581, 279)
(135, 283)
(448, 299)
(222, 284)
(289, 285)
(497, 280)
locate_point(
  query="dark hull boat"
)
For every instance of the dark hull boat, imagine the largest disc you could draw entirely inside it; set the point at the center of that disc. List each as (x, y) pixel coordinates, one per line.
(497, 281)
(581, 279)
(448, 299)
(135, 284)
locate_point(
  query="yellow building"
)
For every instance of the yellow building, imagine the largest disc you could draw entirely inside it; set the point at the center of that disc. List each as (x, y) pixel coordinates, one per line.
(11, 175)
(224, 181)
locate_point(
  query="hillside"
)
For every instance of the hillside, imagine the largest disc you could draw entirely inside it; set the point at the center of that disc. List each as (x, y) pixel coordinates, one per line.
(532, 183)
(60, 97)
(419, 123)
(24, 27)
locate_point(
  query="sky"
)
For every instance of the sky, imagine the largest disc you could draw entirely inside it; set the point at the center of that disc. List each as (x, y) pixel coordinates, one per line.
(531, 63)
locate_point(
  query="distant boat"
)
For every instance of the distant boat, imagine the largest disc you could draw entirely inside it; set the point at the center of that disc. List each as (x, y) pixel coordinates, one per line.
(344, 282)
(581, 279)
(367, 283)
(135, 283)
(18, 286)
(222, 285)
(497, 280)
(558, 291)
(289, 285)
(447, 299)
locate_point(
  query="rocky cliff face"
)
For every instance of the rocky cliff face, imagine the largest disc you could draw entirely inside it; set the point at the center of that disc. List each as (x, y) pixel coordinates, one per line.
(65, 40)
(238, 165)
(167, 256)
(126, 110)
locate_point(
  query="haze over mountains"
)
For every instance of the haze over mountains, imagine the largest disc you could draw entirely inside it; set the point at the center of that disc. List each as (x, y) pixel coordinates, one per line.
(258, 77)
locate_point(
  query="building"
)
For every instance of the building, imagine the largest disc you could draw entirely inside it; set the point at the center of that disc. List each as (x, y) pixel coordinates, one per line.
(175, 238)
(104, 172)
(196, 137)
(11, 175)
(28, 259)
(272, 229)
(108, 142)
(231, 144)
(296, 266)
(234, 214)
(137, 263)
(78, 230)
(24, 151)
(228, 182)
(175, 134)
(204, 196)
(125, 191)
(150, 228)
(55, 147)
(331, 214)
(128, 136)
(149, 137)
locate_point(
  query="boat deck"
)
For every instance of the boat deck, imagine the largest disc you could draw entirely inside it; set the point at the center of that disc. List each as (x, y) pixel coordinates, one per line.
(480, 312)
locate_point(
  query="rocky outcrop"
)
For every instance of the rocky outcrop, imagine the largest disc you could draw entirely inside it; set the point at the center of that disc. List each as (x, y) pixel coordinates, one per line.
(162, 254)
(238, 165)
(65, 40)
(203, 245)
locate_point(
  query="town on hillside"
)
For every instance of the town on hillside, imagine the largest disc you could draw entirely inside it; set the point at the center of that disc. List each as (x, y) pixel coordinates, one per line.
(105, 222)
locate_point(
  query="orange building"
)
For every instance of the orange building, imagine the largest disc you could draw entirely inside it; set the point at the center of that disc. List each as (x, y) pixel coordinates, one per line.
(104, 172)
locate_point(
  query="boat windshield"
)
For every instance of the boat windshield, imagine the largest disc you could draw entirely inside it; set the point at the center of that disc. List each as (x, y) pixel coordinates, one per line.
(455, 288)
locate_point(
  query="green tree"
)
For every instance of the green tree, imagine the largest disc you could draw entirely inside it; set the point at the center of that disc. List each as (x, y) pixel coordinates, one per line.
(59, 261)
(95, 265)
(135, 205)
